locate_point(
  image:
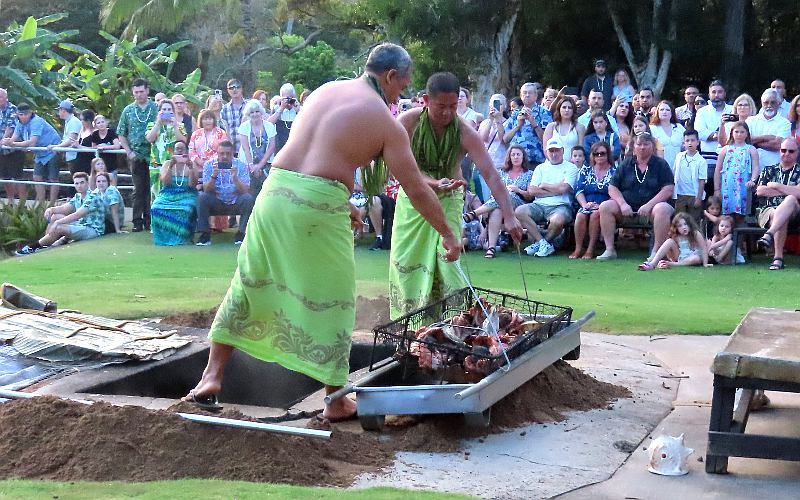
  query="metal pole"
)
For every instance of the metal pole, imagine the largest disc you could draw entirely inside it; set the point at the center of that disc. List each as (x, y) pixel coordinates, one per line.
(256, 426)
(8, 394)
(347, 389)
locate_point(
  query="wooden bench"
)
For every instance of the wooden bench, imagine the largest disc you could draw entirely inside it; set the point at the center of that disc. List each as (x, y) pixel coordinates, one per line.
(762, 353)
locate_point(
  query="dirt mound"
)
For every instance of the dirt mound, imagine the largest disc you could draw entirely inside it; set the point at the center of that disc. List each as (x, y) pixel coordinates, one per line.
(369, 314)
(49, 438)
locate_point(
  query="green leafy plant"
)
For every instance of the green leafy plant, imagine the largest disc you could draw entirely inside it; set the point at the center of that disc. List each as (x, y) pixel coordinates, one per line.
(20, 224)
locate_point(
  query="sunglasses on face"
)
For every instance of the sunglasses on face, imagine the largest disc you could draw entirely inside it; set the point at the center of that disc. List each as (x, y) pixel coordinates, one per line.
(790, 151)
(234, 87)
(599, 153)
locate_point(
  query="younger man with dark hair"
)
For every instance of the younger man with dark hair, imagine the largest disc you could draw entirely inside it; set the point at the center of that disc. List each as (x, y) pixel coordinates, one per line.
(690, 176)
(82, 218)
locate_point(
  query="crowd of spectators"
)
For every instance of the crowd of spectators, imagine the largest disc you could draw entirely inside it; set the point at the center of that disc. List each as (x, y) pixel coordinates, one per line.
(592, 159)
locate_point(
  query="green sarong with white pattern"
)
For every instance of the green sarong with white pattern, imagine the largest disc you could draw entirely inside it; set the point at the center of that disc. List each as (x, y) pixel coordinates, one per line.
(417, 274)
(292, 299)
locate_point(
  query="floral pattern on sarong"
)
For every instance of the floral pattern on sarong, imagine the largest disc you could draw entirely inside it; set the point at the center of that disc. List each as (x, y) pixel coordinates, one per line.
(292, 339)
(410, 269)
(234, 316)
(295, 199)
(251, 282)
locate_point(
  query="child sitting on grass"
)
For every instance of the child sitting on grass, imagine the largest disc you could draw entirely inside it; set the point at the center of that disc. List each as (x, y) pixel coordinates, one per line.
(685, 246)
(720, 248)
(712, 215)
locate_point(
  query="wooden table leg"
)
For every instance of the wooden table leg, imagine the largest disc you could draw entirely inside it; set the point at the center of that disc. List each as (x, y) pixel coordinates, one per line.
(721, 419)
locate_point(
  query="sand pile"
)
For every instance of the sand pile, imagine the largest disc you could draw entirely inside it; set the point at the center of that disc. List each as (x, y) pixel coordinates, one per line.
(48, 438)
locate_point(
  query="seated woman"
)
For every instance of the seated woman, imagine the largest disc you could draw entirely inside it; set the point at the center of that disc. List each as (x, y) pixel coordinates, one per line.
(590, 191)
(173, 212)
(98, 165)
(516, 175)
(112, 199)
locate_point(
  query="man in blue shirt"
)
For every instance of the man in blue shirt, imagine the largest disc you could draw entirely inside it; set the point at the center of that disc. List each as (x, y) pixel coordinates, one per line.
(526, 125)
(32, 131)
(226, 191)
(11, 161)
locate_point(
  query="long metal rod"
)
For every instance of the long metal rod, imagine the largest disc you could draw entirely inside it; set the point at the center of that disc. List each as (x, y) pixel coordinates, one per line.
(65, 150)
(44, 183)
(9, 394)
(256, 426)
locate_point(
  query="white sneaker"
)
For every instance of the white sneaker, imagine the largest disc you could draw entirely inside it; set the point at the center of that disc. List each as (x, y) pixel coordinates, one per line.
(533, 248)
(545, 249)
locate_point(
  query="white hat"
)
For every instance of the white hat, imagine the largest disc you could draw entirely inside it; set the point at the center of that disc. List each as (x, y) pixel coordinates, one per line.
(668, 456)
(554, 143)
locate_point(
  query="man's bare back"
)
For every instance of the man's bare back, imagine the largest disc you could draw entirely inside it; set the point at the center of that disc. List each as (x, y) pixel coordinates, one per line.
(343, 125)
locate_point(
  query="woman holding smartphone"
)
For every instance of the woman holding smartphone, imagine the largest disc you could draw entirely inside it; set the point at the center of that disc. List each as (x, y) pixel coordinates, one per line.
(162, 135)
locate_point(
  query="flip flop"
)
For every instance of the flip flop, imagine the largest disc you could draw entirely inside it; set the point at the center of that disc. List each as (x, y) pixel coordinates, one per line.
(207, 403)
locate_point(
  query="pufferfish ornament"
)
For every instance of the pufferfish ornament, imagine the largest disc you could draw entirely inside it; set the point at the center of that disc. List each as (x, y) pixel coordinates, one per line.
(668, 456)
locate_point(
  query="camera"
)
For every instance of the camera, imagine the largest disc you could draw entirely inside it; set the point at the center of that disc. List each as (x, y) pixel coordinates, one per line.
(218, 93)
(496, 104)
(727, 117)
(291, 100)
(404, 104)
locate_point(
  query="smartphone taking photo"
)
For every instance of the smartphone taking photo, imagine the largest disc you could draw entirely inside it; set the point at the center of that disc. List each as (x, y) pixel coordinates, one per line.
(496, 104)
(224, 165)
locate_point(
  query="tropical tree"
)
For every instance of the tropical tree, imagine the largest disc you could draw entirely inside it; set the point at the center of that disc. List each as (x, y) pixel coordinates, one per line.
(104, 83)
(31, 64)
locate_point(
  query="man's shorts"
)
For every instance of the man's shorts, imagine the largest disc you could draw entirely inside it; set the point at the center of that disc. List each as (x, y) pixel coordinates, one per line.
(79, 232)
(542, 213)
(11, 165)
(685, 203)
(49, 170)
(634, 220)
(763, 219)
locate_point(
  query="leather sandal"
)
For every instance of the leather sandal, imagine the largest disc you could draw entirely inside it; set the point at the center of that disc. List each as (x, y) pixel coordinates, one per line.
(470, 216)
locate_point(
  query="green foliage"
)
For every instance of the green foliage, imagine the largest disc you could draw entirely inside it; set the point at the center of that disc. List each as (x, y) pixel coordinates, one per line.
(104, 83)
(20, 224)
(31, 65)
(314, 65)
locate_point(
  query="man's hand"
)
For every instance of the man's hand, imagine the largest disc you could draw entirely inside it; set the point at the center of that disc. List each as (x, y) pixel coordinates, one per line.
(452, 246)
(6, 141)
(50, 147)
(626, 210)
(664, 264)
(645, 210)
(356, 224)
(698, 203)
(521, 119)
(48, 213)
(444, 185)
(514, 228)
(131, 155)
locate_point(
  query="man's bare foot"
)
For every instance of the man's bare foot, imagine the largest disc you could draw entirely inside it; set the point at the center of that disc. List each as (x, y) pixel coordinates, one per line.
(340, 409)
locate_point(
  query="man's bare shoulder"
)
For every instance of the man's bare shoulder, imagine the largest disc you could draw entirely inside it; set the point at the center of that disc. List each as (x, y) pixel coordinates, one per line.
(410, 118)
(341, 94)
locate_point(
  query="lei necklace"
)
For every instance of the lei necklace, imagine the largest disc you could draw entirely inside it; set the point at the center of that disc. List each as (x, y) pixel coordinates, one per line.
(636, 171)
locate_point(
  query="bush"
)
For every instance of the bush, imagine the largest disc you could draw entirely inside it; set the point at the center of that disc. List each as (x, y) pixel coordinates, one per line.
(20, 224)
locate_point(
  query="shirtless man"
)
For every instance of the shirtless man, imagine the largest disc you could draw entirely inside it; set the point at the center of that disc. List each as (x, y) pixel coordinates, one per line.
(440, 139)
(292, 299)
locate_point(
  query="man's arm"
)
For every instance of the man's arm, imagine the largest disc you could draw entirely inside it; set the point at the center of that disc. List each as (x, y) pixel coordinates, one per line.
(476, 150)
(77, 214)
(401, 163)
(512, 127)
(237, 176)
(706, 128)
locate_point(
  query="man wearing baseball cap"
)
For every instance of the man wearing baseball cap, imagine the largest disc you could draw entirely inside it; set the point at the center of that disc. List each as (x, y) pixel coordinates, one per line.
(551, 188)
(72, 128)
(31, 130)
(599, 82)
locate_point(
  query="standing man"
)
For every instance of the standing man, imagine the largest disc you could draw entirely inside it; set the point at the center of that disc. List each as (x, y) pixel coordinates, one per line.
(778, 189)
(31, 130)
(72, 127)
(646, 102)
(599, 82)
(131, 130)
(284, 115)
(292, 298)
(596, 103)
(526, 125)
(686, 113)
(11, 161)
(706, 123)
(439, 140)
(768, 128)
(233, 111)
(780, 87)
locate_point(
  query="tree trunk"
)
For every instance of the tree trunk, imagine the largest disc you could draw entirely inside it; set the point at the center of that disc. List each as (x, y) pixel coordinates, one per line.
(647, 69)
(733, 48)
(492, 75)
(248, 29)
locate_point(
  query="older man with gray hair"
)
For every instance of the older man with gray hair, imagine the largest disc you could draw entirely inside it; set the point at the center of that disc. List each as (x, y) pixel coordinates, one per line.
(768, 129)
(283, 116)
(526, 125)
(640, 191)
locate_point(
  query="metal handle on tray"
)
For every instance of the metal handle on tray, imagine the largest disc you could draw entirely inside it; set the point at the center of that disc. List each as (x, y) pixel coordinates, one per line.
(347, 389)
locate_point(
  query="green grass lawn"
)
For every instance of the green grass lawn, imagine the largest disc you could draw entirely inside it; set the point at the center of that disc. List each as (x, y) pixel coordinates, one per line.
(193, 489)
(125, 276)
